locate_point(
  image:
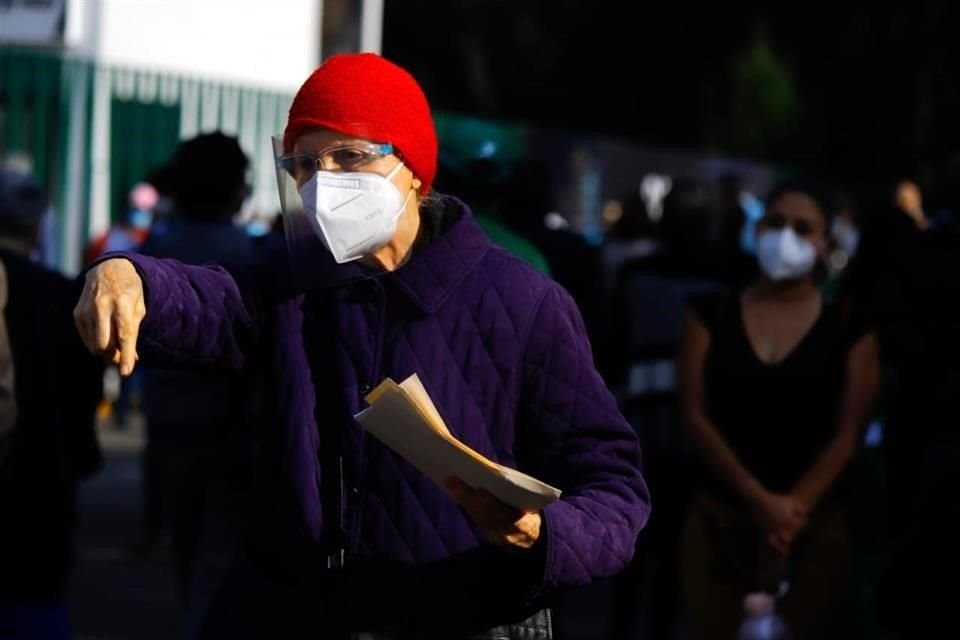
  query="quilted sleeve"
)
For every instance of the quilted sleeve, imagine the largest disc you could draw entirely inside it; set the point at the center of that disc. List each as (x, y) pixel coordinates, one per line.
(196, 316)
(577, 440)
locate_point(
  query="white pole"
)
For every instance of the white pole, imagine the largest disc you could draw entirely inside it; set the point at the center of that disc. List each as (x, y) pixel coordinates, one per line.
(100, 153)
(371, 26)
(318, 54)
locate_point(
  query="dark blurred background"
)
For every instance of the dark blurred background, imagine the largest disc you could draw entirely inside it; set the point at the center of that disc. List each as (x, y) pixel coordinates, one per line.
(855, 90)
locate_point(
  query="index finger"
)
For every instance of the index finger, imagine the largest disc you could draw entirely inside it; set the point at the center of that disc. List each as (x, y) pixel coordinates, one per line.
(126, 343)
(128, 356)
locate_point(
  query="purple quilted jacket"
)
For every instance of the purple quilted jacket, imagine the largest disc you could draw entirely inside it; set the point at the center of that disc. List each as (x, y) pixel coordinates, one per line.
(502, 351)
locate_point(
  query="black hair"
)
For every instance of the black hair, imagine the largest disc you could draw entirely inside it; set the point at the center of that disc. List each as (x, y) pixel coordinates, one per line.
(816, 191)
(23, 202)
(208, 174)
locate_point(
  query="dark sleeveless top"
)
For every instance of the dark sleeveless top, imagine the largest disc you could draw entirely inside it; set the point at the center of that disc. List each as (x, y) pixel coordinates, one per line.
(777, 418)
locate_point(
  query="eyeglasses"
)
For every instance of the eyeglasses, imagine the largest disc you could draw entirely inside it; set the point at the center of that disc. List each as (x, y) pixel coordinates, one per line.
(777, 221)
(343, 157)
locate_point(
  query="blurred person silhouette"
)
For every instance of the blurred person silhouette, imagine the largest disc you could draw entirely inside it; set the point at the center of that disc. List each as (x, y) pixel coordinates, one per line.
(527, 206)
(907, 275)
(729, 191)
(196, 444)
(908, 198)
(776, 384)
(271, 242)
(479, 181)
(844, 234)
(46, 249)
(844, 242)
(384, 278)
(52, 445)
(892, 276)
(948, 212)
(730, 263)
(668, 261)
(132, 229)
(685, 229)
(669, 264)
(206, 180)
(916, 596)
(631, 234)
(161, 178)
(632, 245)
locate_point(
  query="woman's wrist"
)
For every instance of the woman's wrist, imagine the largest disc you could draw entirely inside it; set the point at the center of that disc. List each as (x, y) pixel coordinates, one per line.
(754, 494)
(804, 497)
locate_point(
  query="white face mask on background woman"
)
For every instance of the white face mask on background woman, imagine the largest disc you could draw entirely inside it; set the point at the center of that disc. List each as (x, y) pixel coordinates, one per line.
(353, 213)
(783, 255)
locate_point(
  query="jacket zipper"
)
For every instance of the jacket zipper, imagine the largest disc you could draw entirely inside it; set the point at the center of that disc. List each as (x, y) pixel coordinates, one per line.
(337, 559)
(374, 378)
(331, 438)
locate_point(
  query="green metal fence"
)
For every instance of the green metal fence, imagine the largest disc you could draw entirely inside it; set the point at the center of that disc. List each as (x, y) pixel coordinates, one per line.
(90, 132)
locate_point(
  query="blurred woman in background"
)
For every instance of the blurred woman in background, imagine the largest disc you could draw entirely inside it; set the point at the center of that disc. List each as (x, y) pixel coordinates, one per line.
(776, 384)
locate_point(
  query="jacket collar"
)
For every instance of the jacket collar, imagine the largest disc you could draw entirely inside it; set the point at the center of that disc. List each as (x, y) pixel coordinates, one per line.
(434, 272)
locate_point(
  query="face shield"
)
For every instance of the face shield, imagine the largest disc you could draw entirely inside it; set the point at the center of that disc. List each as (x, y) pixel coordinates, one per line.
(339, 205)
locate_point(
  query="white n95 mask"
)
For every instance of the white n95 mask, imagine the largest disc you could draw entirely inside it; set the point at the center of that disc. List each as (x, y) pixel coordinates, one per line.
(353, 213)
(783, 255)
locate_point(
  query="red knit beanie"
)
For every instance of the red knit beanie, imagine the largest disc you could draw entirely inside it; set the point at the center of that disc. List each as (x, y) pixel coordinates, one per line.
(364, 95)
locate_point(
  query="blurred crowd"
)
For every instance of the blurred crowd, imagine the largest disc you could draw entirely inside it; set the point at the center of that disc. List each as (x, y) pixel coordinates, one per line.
(791, 369)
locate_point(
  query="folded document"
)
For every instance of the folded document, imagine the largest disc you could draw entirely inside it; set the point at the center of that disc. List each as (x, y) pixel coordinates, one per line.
(403, 417)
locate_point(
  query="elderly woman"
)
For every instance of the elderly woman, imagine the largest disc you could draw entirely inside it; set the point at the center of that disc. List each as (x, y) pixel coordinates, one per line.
(349, 536)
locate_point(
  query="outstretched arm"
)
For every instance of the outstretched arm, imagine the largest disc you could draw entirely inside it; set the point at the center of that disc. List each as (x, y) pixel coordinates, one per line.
(169, 312)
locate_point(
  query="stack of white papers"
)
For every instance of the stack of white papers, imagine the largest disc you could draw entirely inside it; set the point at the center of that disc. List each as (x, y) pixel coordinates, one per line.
(403, 417)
